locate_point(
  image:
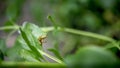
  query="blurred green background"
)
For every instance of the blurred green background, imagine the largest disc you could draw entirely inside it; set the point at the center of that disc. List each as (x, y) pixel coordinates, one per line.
(98, 16)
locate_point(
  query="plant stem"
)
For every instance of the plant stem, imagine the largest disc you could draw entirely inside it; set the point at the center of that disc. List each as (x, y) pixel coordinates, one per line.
(31, 65)
(80, 32)
(69, 30)
(11, 33)
(9, 27)
(93, 35)
(83, 33)
(89, 34)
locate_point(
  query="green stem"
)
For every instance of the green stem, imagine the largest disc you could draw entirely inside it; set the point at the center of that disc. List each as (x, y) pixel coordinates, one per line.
(80, 32)
(52, 21)
(9, 27)
(31, 65)
(74, 31)
(11, 33)
(89, 34)
(93, 35)
(83, 33)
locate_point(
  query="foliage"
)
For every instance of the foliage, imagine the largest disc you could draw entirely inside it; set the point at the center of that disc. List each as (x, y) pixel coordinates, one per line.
(93, 57)
(76, 25)
(29, 48)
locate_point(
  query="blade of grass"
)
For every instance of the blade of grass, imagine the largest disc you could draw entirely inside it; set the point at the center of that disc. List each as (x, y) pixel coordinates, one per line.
(51, 57)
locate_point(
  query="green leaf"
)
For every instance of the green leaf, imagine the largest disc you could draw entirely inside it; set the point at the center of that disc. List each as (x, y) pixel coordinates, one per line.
(13, 53)
(33, 33)
(30, 34)
(3, 47)
(23, 43)
(91, 56)
(29, 56)
(28, 38)
(1, 56)
(35, 30)
(56, 51)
